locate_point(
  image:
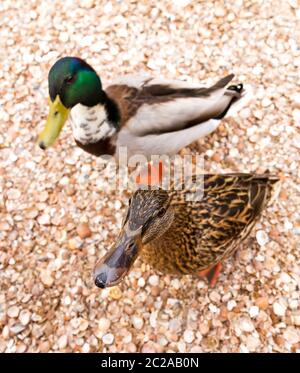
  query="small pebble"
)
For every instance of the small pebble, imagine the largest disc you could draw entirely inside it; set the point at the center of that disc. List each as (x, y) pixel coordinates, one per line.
(188, 336)
(291, 335)
(84, 324)
(213, 308)
(262, 237)
(62, 342)
(266, 102)
(279, 309)
(43, 196)
(118, 205)
(13, 194)
(176, 284)
(108, 339)
(155, 290)
(203, 328)
(44, 346)
(137, 322)
(85, 348)
(149, 348)
(196, 350)
(296, 99)
(24, 317)
(253, 311)
(64, 181)
(13, 312)
(295, 317)
(288, 225)
(175, 324)
(252, 343)
(74, 244)
(127, 338)
(214, 296)
(46, 278)
(296, 115)
(131, 347)
(17, 328)
(44, 219)
(104, 324)
(5, 332)
(83, 230)
(243, 349)
(216, 157)
(141, 282)
(67, 300)
(153, 319)
(63, 37)
(181, 347)
(262, 303)
(115, 293)
(21, 348)
(220, 11)
(231, 304)
(153, 280)
(246, 325)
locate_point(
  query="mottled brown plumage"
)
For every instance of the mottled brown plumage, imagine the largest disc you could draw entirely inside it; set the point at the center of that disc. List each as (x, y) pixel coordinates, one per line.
(177, 236)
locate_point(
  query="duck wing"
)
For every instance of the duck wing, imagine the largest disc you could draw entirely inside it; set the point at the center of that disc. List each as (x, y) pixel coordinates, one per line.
(152, 106)
(229, 208)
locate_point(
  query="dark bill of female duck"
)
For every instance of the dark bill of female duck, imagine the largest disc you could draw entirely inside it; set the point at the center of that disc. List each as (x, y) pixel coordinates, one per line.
(143, 220)
(71, 81)
(117, 262)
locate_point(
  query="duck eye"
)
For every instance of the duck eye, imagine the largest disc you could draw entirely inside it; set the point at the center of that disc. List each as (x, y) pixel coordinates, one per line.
(161, 212)
(70, 79)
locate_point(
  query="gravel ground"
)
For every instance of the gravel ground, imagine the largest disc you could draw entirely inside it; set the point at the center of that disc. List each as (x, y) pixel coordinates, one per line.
(59, 214)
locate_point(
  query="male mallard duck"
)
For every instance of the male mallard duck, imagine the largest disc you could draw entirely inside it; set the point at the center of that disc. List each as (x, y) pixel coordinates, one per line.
(148, 115)
(177, 236)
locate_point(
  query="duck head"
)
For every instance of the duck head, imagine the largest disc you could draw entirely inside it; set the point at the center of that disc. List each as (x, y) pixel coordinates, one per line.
(148, 216)
(71, 81)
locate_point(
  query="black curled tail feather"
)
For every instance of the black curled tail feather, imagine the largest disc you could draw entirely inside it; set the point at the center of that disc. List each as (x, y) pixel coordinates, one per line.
(239, 88)
(236, 88)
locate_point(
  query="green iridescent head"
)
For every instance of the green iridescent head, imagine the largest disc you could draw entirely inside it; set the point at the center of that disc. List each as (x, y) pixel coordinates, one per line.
(71, 81)
(74, 81)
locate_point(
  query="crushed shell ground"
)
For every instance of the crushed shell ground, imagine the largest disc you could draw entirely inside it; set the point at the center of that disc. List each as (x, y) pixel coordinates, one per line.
(58, 214)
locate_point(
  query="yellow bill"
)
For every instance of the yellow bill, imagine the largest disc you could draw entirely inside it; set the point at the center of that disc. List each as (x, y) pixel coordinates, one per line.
(58, 114)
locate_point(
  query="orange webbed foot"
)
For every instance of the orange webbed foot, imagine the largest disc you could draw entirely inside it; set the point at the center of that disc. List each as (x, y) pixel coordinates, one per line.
(212, 274)
(152, 175)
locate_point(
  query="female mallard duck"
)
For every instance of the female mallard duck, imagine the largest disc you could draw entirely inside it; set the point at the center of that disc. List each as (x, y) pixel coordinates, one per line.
(148, 116)
(177, 236)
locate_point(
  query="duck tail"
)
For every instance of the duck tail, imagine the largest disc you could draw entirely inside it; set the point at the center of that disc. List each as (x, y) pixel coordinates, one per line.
(274, 187)
(267, 178)
(269, 186)
(240, 94)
